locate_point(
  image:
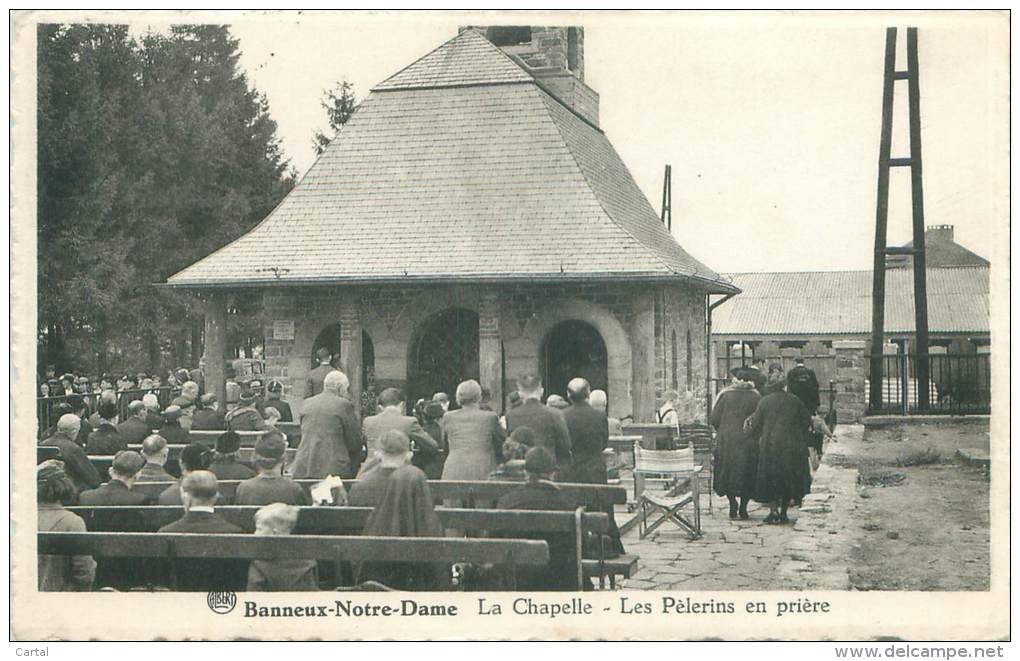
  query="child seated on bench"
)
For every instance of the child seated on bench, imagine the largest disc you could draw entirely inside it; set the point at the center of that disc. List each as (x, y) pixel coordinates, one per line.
(285, 575)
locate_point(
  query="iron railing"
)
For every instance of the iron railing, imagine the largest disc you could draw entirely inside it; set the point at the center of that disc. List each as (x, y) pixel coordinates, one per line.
(959, 384)
(44, 405)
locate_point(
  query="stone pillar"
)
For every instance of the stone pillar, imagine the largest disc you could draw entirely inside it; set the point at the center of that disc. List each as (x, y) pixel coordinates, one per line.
(350, 348)
(851, 399)
(216, 347)
(642, 345)
(490, 348)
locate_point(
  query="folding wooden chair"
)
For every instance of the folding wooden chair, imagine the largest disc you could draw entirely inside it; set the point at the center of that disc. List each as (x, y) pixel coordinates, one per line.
(677, 469)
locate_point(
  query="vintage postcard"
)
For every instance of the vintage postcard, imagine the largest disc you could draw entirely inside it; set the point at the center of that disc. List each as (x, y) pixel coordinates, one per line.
(648, 325)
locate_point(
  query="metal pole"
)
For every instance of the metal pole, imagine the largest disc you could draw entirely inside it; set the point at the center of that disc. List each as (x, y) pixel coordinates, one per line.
(881, 218)
(917, 198)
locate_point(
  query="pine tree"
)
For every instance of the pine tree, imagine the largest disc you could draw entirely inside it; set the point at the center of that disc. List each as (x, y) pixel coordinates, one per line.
(339, 104)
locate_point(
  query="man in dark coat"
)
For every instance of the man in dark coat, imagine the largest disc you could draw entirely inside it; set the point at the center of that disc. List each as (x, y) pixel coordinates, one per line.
(225, 465)
(782, 425)
(118, 491)
(540, 493)
(548, 424)
(208, 417)
(133, 429)
(245, 417)
(105, 439)
(802, 382)
(153, 419)
(330, 434)
(76, 463)
(314, 384)
(589, 435)
(756, 374)
(199, 491)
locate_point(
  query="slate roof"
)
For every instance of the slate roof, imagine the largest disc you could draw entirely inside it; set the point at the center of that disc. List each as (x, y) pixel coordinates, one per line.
(459, 167)
(839, 303)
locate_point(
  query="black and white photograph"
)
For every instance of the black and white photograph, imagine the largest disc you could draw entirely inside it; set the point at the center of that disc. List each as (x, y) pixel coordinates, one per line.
(628, 325)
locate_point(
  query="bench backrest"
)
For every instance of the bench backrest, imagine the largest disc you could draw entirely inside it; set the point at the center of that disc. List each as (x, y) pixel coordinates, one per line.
(340, 520)
(311, 547)
(592, 496)
(103, 462)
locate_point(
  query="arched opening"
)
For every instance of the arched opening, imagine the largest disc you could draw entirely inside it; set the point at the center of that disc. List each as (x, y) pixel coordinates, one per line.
(328, 337)
(444, 352)
(574, 348)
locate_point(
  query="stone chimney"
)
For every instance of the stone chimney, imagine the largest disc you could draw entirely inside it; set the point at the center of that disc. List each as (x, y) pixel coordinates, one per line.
(554, 55)
(938, 234)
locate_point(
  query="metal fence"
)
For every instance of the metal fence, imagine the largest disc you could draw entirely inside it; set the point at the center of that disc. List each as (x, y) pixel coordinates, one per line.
(958, 384)
(44, 405)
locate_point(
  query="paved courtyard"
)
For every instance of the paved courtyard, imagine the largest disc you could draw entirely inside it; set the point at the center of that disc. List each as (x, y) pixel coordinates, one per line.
(749, 555)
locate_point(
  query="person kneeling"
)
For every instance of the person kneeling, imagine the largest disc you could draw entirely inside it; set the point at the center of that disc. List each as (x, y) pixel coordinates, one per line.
(283, 575)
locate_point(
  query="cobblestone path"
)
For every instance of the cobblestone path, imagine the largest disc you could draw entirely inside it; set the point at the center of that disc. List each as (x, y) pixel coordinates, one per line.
(810, 553)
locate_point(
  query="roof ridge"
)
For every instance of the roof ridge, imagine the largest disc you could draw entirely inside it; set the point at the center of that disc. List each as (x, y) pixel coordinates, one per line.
(405, 68)
(591, 188)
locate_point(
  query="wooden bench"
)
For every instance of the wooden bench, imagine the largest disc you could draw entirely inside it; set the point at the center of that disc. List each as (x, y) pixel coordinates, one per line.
(351, 520)
(103, 462)
(340, 549)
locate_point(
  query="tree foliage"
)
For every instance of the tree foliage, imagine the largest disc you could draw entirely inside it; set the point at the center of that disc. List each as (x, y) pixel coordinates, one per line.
(153, 152)
(339, 104)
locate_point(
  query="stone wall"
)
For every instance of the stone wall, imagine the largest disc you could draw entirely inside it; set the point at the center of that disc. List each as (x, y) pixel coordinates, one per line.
(514, 321)
(680, 343)
(851, 398)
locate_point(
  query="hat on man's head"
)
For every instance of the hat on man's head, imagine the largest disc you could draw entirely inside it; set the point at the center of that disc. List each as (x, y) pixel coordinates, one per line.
(395, 442)
(255, 383)
(247, 397)
(127, 463)
(51, 469)
(60, 409)
(539, 460)
(172, 412)
(275, 386)
(524, 436)
(228, 442)
(272, 445)
(195, 457)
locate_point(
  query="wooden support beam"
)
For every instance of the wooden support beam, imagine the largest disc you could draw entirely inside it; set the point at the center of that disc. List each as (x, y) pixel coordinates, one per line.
(490, 348)
(917, 200)
(216, 347)
(350, 348)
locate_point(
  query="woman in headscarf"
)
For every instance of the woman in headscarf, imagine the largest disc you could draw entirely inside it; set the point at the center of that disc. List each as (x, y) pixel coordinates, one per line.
(736, 459)
(782, 426)
(406, 510)
(60, 573)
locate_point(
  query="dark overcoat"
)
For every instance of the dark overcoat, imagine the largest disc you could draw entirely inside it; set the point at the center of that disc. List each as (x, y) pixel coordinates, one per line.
(782, 425)
(736, 460)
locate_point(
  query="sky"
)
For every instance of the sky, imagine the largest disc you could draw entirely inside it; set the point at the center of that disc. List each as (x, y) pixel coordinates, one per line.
(770, 121)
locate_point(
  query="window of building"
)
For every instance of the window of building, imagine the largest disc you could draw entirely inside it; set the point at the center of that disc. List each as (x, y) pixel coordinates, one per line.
(690, 360)
(676, 376)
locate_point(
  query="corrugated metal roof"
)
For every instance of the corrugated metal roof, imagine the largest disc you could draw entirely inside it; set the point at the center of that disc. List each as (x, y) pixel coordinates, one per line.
(839, 303)
(470, 180)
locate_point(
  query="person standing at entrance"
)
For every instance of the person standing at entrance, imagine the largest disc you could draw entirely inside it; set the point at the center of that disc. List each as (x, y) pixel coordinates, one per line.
(802, 382)
(474, 436)
(317, 377)
(330, 434)
(546, 422)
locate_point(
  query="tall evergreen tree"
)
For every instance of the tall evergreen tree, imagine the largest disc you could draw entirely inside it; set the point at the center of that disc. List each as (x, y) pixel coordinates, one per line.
(154, 154)
(339, 104)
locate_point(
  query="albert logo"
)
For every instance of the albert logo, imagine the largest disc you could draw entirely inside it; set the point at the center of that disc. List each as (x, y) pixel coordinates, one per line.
(221, 602)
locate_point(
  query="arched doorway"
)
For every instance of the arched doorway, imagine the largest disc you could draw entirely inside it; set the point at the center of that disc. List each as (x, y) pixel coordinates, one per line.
(573, 348)
(328, 337)
(443, 353)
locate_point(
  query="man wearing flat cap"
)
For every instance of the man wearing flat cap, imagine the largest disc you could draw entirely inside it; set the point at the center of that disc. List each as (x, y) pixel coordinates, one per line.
(270, 485)
(245, 417)
(133, 429)
(125, 467)
(171, 428)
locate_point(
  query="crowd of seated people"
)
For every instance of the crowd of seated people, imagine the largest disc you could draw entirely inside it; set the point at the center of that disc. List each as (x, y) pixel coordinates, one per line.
(391, 454)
